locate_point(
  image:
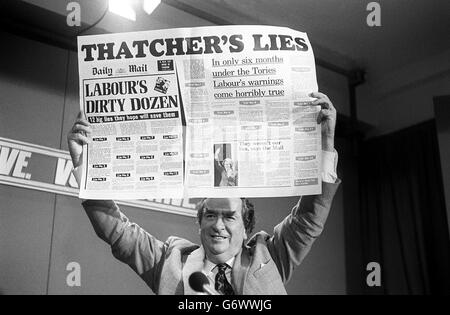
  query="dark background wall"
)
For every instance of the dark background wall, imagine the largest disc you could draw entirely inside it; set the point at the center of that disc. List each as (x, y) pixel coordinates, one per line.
(442, 113)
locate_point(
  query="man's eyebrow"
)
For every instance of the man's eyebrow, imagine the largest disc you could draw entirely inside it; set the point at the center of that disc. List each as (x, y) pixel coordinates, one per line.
(215, 211)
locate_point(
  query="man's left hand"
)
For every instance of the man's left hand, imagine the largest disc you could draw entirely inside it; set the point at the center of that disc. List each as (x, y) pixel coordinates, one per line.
(327, 118)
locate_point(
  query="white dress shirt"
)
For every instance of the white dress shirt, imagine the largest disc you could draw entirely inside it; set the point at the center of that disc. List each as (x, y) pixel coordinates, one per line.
(210, 269)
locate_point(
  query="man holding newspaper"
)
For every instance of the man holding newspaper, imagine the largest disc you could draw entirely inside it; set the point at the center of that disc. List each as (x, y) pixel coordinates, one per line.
(232, 262)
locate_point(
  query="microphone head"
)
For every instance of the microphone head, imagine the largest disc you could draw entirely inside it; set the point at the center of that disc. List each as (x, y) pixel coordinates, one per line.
(197, 280)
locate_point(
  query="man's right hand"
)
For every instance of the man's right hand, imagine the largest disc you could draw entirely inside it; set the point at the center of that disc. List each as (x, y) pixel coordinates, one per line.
(77, 136)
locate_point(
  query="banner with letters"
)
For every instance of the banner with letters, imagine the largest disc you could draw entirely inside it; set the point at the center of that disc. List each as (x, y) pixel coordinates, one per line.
(46, 169)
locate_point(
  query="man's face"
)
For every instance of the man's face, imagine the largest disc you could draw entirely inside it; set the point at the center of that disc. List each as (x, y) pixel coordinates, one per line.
(222, 229)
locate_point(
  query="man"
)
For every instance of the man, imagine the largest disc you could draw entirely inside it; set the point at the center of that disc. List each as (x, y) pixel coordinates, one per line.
(234, 266)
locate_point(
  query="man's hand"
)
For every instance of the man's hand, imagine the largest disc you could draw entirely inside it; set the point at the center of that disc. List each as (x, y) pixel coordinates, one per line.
(327, 118)
(78, 136)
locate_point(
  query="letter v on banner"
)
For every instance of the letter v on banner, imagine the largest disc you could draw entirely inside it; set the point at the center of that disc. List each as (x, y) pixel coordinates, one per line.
(64, 173)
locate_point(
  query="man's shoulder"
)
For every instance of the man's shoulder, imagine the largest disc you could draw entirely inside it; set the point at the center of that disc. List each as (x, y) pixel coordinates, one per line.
(180, 244)
(258, 239)
(258, 248)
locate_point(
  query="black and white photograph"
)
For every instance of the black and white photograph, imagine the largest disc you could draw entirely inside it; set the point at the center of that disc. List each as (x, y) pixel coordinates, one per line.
(225, 167)
(231, 148)
(162, 85)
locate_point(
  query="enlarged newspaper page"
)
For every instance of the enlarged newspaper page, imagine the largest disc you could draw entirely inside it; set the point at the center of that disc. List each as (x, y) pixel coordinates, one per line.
(242, 92)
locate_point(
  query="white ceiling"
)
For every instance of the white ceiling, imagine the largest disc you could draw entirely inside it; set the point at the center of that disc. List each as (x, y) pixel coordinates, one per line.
(411, 30)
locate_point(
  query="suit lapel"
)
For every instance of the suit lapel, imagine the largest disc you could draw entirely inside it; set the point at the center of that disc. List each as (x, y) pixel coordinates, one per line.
(194, 262)
(259, 258)
(239, 271)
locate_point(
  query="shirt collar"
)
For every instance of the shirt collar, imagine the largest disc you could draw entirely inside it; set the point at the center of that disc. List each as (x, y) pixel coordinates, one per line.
(209, 266)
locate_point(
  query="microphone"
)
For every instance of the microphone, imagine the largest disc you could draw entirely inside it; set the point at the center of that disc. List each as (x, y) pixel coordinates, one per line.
(200, 283)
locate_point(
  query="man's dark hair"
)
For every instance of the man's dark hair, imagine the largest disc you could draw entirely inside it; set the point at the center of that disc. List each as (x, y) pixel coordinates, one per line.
(248, 213)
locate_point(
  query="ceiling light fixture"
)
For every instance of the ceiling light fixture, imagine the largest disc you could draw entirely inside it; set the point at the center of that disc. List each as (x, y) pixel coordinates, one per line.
(151, 5)
(122, 8)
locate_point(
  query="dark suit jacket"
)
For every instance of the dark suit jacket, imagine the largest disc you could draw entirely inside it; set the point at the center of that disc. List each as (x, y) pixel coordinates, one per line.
(264, 264)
